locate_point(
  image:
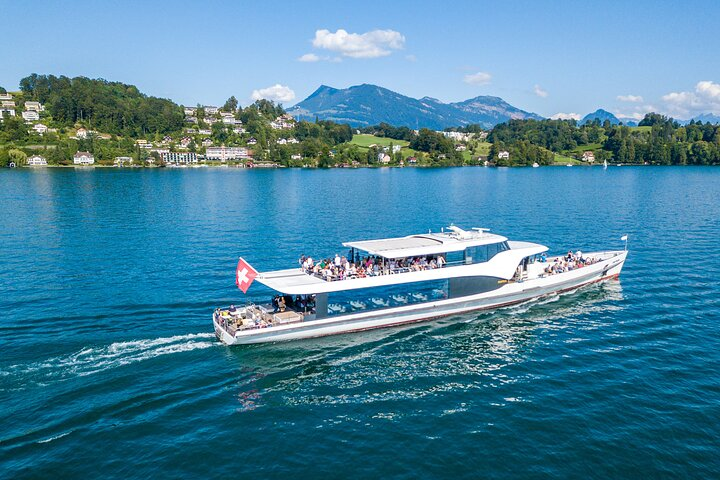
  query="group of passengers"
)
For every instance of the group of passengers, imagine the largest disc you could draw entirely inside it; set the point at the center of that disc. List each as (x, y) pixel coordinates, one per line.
(299, 303)
(340, 268)
(568, 262)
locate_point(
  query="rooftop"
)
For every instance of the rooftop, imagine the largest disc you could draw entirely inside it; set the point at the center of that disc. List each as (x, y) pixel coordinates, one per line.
(454, 239)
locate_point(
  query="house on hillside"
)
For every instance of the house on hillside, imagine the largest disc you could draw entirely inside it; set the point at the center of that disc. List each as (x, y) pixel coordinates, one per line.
(5, 96)
(239, 130)
(30, 116)
(40, 128)
(190, 111)
(252, 141)
(588, 157)
(460, 148)
(504, 155)
(411, 160)
(384, 158)
(185, 142)
(81, 133)
(210, 110)
(34, 106)
(6, 112)
(296, 156)
(207, 142)
(37, 161)
(83, 158)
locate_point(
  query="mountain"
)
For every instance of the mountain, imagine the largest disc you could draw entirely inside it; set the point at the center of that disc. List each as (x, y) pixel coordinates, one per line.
(707, 117)
(366, 105)
(601, 115)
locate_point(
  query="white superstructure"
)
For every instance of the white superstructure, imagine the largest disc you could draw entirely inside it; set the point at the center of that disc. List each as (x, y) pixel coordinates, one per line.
(394, 281)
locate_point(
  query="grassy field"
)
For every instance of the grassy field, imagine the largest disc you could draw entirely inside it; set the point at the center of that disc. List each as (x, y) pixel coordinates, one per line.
(644, 128)
(365, 140)
(563, 160)
(583, 148)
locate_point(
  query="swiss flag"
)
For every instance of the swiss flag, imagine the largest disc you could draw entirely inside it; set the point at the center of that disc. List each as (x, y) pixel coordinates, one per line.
(244, 275)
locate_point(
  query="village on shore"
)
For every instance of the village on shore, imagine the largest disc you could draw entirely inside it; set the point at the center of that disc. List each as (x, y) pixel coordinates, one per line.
(217, 136)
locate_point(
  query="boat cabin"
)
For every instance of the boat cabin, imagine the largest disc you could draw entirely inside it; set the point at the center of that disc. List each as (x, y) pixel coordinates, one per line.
(392, 272)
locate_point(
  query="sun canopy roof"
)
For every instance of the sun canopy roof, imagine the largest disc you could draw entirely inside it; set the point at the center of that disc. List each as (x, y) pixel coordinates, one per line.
(428, 244)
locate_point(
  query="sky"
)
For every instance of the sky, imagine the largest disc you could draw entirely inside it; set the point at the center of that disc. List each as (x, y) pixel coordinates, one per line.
(560, 58)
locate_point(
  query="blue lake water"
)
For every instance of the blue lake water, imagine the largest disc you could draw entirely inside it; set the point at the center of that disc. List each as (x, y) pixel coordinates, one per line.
(109, 367)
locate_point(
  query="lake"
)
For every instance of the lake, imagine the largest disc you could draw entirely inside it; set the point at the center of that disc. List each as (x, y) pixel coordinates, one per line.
(109, 367)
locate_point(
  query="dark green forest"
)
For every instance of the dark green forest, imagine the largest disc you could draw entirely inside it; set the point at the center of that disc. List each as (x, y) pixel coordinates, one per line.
(110, 107)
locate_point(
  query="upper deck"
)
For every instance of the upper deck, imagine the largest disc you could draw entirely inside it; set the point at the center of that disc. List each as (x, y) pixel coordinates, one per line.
(431, 254)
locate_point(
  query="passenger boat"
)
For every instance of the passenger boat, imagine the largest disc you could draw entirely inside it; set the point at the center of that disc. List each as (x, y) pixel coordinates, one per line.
(398, 281)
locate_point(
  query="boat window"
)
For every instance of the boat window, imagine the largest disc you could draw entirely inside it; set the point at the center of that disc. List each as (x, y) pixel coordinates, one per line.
(375, 298)
(484, 253)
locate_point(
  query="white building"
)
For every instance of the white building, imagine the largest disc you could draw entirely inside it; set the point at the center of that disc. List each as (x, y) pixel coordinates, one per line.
(226, 153)
(229, 120)
(7, 112)
(40, 128)
(5, 96)
(34, 106)
(7, 104)
(190, 111)
(207, 142)
(210, 110)
(31, 116)
(179, 157)
(589, 157)
(36, 161)
(252, 141)
(83, 158)
(396, 148)
(239, 130)
(296, 156)
(81, 133)
(384, 158)
(120, 161)
(504, 155)
(204, 131)
(185, 141)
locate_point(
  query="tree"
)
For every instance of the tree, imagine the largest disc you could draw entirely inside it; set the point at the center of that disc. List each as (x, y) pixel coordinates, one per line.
(230, 105)
(17, 156)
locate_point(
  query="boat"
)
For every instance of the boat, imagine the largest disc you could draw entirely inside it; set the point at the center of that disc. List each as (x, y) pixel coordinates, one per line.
(535, 165)
(398, 281)
(605, 164)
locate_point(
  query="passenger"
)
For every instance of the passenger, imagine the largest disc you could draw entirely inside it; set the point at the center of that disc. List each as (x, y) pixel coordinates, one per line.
(281, 304)
(441, 261)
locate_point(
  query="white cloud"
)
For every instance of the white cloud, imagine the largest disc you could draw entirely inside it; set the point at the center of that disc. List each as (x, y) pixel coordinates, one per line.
(565, 116)
(309, 57)
(277, 93)
(538, 90)
(479, 78)
(704, 99)
(373, 44)
(630, 98)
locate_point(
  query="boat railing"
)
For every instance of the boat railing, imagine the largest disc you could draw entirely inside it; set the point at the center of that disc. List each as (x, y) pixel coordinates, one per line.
(380, 272)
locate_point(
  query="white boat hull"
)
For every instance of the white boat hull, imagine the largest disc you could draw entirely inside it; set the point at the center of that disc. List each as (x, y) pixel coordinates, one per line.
(511, 293)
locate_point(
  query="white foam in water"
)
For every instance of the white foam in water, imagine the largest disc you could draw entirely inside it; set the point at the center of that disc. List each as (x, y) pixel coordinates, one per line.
(48, 440)
(98, 359)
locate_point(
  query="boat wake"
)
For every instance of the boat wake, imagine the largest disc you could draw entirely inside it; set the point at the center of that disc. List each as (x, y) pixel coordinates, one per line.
(92, 360)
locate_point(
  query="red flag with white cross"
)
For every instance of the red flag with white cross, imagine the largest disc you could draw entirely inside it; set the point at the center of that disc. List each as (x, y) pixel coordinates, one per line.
(244, 275)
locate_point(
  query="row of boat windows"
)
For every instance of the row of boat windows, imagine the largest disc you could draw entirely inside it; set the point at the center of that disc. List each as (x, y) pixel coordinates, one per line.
(479, 254)
(386, 296)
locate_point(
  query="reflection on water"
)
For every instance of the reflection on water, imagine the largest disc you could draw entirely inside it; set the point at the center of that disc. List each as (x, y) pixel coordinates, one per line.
(461, 352)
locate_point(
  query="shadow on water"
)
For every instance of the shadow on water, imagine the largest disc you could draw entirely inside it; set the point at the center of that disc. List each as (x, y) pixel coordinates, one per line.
(462, 351)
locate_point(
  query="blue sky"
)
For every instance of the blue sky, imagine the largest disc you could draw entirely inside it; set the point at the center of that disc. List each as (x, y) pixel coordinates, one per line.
(546, 57)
